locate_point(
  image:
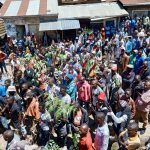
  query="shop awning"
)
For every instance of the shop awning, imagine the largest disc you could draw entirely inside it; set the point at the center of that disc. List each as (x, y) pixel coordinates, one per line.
(59, 25)
(91, 11)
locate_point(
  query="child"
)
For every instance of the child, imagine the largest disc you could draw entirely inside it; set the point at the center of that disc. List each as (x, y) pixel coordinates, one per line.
(129, 139)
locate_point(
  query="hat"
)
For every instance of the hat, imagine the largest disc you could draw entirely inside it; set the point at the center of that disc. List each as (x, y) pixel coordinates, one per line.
(123, 103)
(11, 89)
(69, 76)
(130, 66)
(114, 67)
(102, 96)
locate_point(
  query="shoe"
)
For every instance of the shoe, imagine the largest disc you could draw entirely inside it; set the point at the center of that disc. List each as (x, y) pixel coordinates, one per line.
(142, 131)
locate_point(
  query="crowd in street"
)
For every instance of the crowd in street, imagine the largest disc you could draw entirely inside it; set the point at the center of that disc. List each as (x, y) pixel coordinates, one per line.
(84, 94)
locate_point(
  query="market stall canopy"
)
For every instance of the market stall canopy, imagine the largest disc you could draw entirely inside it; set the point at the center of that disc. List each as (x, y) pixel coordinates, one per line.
(12, 8)
(91, 11)
(59, 25)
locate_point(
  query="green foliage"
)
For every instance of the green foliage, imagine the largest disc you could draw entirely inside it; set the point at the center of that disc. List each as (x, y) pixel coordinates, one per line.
(51, 146)
(75, 139)
(58, 107)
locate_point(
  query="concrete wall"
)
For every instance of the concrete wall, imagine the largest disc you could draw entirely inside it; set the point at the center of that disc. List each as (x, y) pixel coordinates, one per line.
(139, 10)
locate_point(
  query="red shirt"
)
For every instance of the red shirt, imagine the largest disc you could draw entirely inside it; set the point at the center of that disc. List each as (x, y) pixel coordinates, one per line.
(84, 91)
(86, 142)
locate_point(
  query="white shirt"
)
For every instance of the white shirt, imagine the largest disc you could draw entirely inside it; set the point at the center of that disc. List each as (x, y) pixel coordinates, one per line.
(66, 99)
(102, 138)
(117, 119)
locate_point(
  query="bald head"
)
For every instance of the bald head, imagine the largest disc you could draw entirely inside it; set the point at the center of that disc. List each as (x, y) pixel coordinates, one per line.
(83, 129)
(100, 118)
(8, 135)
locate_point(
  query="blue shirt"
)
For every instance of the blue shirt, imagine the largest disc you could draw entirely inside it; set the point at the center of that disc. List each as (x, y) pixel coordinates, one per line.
(129, 46)
(148, 59)
(138, 63)
(2, 90)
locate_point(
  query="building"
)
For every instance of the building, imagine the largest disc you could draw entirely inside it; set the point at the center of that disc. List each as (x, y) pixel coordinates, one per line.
(38, 16)
(23, 16)
(138, 7)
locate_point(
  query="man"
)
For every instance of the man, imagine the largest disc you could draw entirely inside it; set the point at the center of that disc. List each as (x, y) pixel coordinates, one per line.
(64, 96)
(85, 142)
(130, 101)
(32, 110)
(3, 88)
(127, 77)
(11, 138)
(144, 71)
(13, 111)
(132, 57)
(44, 126)
(96, 90)
(2, 62)
(124, 61)
(129, 139)
(122, 117)
(29, 72)
(116, 78)
(102, 133)
(71, 87)
(84, 92)
(52, 89)
(137, 87)
(18, 81)
(143, 106)
(139, 61)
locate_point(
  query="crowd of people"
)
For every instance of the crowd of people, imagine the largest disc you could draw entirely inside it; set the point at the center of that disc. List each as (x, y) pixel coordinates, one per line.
(84, 94)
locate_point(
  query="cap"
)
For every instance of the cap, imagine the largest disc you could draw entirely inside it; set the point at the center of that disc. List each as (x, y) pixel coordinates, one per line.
(130, 66)
(102, 96)
(11, 89)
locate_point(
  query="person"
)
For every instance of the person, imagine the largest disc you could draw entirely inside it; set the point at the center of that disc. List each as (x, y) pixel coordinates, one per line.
(130, 101)
(129, 139)
(52, 89)
(137, 87)
(122, 117)
(11, 138)
(127, 77)
(62, 130)
(84, 92)
(78, 117)
(96, 90)
(124, 61)
(71, 87)
(139, 61)
(2, 61)
(143, 105)
(44, 126)
(144, 71)
(132, 57)
(102, 132)
(85, 142)
(31, 110)
(3, 88)
(64, 96)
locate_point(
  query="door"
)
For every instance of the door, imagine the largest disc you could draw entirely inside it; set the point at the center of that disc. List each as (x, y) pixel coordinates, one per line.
(20, 29)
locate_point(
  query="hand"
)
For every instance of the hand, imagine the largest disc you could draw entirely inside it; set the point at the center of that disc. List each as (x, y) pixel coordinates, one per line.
(110, 109)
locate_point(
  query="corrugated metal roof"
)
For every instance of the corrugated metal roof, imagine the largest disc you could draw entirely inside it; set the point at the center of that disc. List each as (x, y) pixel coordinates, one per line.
(13, 8)
(29, 7)
(91, 10)
(59, 25)
(135, 2)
